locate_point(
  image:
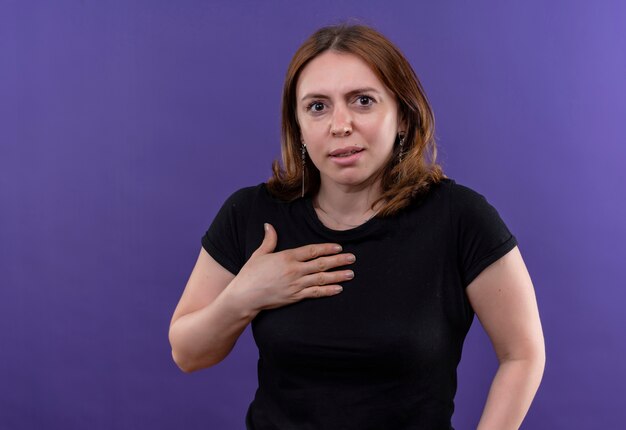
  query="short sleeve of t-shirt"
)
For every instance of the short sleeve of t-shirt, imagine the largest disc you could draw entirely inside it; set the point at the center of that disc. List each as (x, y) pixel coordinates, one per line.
(225, 238)
(482, 235)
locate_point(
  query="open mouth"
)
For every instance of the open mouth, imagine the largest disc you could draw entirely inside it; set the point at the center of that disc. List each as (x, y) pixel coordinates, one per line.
(346, 154)
(345, 151)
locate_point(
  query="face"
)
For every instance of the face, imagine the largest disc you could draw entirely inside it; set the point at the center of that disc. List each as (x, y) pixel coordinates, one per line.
(348, 119)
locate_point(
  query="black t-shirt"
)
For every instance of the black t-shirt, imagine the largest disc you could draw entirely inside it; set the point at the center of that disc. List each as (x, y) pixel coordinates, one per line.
(383, 353)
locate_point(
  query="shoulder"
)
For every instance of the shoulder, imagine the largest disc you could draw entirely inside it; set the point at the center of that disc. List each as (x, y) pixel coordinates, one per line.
(448, 191)
(457, 189)
(260, 190)
(239, 203)
(462, 196)
(252, 198)
(246, 193)
(466, 204)
(244, 197)
(438, 194)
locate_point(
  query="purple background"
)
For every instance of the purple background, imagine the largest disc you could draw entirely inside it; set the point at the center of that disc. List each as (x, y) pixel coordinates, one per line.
(125, 124)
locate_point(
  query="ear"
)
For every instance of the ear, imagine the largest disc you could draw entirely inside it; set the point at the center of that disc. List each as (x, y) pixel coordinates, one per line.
(402, 123)
(402, 128)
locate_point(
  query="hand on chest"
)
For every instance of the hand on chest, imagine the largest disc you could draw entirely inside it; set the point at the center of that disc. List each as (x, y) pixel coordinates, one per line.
(393, 312)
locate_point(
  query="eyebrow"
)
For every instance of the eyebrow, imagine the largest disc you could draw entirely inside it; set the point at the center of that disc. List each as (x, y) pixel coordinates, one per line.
(349, 93)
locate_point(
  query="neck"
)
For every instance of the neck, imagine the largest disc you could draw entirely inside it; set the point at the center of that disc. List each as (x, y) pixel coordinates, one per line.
(349, 206)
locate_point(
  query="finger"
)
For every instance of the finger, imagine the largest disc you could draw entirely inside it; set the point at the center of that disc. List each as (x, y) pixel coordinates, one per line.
(309, 252)
(319, 292)
(326, 278)
(269, 240)
(323, 264)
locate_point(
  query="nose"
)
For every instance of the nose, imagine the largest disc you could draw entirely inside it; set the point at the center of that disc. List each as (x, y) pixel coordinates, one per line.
(341, 124)
(344, 131)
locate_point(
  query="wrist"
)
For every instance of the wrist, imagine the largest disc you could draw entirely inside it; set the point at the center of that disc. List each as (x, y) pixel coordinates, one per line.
(236, 301)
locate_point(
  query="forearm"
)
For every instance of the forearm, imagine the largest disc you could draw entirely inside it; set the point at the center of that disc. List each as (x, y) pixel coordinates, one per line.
(205, 337)
(511, 393)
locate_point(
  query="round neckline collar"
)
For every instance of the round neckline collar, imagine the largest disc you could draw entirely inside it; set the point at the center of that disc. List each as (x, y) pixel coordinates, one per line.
(351, 233)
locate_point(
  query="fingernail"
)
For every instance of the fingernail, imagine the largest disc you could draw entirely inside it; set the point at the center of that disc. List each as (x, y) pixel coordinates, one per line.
(338, 289)
(266, 226)
(351, 258)
(350, 275)
(338, 248)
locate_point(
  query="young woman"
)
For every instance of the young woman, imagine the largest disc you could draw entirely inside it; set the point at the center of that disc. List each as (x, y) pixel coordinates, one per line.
(359, 264)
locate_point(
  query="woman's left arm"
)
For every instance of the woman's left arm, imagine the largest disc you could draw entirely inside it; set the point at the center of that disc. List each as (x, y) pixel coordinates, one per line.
(504, 301)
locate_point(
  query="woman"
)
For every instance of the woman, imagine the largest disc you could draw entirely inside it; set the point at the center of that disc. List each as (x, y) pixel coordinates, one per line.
(365, 277)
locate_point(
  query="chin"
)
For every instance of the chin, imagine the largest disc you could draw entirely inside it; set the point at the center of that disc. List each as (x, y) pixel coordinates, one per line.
(350, 180)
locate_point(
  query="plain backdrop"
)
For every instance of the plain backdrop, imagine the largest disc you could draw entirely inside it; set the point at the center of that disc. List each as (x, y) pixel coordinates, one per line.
(125, 124)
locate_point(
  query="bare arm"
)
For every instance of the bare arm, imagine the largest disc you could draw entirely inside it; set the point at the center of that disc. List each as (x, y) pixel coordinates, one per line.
(205, 304)
(504, 301)
(216, 305)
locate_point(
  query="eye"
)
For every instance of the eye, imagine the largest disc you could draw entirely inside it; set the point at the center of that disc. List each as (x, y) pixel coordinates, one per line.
(365, 101)
(315, 107)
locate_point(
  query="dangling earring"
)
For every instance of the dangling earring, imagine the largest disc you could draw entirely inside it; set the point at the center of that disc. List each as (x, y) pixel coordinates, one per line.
(303, 149)
(401, 138)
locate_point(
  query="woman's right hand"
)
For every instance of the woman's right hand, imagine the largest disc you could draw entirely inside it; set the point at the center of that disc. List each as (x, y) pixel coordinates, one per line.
(274, 279)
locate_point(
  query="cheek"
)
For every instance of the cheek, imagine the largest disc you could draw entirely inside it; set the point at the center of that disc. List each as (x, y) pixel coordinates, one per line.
(313, 134)
(381, 129)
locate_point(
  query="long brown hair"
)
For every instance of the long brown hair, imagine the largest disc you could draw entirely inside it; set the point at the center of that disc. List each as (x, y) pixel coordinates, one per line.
(400, 181)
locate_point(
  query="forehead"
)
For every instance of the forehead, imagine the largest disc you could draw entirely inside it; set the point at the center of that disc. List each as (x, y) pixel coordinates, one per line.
(333, 72)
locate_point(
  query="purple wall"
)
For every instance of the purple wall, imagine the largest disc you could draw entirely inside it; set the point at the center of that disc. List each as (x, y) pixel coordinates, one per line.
(125, 124)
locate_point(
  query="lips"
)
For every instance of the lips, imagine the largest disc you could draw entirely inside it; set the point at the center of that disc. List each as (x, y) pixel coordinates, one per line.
(346, 157)
(345, 152)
